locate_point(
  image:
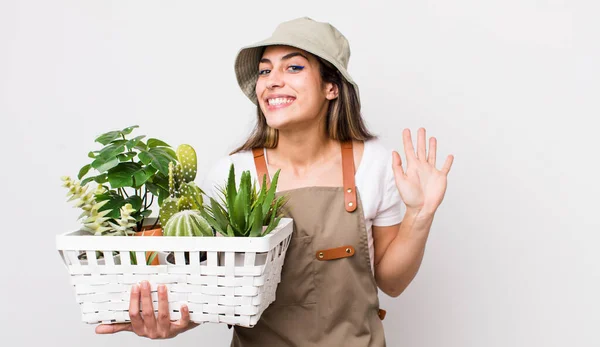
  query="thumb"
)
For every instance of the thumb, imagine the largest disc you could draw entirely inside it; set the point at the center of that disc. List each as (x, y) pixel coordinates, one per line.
(397, 165)
(113, 328)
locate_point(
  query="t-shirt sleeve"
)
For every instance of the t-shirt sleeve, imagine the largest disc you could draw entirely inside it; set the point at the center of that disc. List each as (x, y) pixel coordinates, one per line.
(390, 211)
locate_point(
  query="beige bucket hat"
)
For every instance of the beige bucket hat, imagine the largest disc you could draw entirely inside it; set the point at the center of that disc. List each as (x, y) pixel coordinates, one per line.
(318, 38)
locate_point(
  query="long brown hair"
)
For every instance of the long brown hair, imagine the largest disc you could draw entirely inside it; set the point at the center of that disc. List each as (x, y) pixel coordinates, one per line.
(343, 122)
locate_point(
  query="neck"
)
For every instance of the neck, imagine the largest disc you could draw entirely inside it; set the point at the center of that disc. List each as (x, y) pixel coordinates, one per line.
(302, 149)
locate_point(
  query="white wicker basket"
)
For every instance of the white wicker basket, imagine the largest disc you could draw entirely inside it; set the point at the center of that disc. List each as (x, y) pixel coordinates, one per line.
(234, 285)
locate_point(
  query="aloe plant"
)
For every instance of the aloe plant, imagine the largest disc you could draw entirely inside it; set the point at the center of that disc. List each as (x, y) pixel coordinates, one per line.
(244, 211)
(184, 194)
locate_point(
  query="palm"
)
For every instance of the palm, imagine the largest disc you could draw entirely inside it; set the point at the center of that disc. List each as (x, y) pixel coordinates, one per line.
(421, 186)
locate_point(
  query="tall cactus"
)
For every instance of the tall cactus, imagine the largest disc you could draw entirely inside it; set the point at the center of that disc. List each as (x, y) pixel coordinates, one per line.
(184, 194)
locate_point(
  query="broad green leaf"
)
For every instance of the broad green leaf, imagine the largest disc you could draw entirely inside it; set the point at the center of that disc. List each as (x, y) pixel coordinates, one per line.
(134, 142)
(122, 174)
(114, 204)
(83, 171)
(104, 164)
(156, 143)
(111, 150)
(141, 176)
(128, 130)
(108, 137)
(126, 156)
(157, 158)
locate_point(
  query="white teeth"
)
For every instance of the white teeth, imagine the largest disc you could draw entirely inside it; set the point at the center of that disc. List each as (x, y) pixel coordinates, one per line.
(279, 101)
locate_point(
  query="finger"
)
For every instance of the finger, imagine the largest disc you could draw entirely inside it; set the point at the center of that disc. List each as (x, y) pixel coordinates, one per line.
(409, 150)
(147, 308)
(137, 324)
(397, 165)
(421, 148)
(431, 155)
(184, 322)
(164, 318)
(448, 164)
(112, 328)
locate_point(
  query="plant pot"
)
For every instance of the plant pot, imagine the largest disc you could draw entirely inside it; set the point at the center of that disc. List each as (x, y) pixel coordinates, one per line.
(170, 258)
(147, 231)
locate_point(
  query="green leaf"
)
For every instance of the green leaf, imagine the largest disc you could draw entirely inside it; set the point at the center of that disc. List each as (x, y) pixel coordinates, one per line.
(157, 158)
(156, 143)
(122, 174)
(231, 190)
(141, 177)
(91, 155)
(111, 150)
(108, 137)
(104, 164)
(83, 171)
(126, 156)
(151, 258)
(130, 144)
(128, 130)
(257, 223)
(115, 202)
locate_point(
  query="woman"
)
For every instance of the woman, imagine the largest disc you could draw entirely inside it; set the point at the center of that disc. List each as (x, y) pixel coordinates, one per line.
(345, 193)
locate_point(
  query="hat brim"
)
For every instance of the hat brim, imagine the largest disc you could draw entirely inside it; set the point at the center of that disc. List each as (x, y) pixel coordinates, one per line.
(248, 59)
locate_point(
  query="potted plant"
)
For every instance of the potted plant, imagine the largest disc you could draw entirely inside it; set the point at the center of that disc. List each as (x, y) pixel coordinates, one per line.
(244, 211)
(130, 174)
(180, 211)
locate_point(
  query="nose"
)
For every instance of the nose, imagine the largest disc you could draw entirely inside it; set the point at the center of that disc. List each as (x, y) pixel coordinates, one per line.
(274, 80)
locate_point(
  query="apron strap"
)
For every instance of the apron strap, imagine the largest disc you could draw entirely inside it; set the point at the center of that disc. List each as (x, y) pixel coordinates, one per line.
(261, 165)
(348, 171)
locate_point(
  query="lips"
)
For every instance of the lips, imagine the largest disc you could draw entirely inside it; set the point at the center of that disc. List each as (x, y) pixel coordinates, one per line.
(274, 102)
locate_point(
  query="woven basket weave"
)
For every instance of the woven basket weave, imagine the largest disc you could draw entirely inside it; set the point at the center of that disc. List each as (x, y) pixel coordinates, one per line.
(234, 285)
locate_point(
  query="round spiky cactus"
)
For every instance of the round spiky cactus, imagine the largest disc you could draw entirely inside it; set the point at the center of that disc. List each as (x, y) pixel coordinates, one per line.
(187, 223)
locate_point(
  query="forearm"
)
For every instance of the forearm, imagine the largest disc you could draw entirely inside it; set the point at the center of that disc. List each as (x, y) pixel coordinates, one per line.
(402, 259)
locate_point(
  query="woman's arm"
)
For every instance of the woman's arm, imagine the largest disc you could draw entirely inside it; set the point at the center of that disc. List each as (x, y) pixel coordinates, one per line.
(399, 251)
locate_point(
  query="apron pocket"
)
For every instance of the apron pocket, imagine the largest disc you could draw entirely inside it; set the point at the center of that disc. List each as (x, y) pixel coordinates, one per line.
(297, 286)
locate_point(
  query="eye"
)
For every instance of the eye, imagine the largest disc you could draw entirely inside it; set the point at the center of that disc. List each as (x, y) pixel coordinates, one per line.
(296, 68)
(263, 72)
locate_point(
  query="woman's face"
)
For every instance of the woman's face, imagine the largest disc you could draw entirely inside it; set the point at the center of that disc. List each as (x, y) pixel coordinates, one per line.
(289, 88)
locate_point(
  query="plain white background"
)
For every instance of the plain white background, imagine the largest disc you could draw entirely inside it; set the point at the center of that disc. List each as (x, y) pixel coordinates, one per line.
(509, 87)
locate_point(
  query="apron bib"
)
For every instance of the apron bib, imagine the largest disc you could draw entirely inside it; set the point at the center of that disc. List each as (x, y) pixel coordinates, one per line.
(327, 295)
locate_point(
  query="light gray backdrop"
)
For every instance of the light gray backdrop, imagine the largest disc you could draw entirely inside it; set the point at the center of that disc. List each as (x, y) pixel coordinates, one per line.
(509, 87)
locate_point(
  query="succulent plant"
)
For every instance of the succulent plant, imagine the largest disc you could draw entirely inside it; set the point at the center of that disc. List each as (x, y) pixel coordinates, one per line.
(187, 223)
(244, 211)
(94, 220)
(126, 224)
(184, 194)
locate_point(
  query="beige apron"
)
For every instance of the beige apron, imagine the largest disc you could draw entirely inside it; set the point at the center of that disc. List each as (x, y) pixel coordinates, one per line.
(327, 295)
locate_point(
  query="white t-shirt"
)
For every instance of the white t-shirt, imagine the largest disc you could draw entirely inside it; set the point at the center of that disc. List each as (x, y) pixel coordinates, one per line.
(374, 180)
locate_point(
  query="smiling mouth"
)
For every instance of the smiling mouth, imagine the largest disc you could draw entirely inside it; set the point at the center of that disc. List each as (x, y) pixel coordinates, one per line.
(279, 102)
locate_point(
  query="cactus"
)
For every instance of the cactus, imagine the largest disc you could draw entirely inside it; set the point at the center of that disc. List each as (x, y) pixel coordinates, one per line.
(187, 223)
(184, 194)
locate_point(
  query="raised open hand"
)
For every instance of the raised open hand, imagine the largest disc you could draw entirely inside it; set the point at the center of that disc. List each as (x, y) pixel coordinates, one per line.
(421, 186)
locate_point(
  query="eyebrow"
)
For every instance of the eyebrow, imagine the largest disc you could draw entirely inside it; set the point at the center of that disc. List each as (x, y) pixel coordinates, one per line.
(285, 57)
